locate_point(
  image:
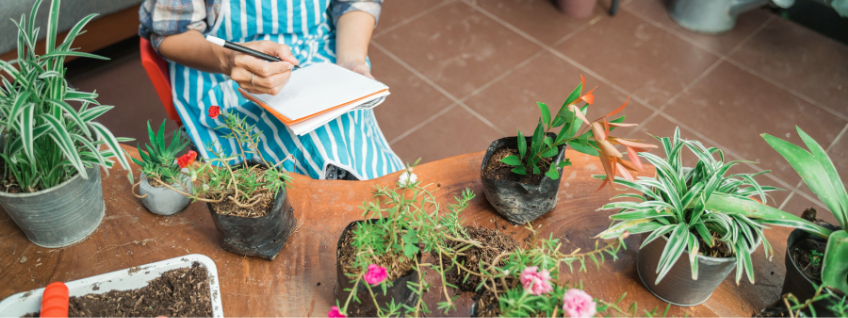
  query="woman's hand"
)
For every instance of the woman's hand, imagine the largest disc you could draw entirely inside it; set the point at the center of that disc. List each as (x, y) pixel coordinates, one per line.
(257, 76)
(356, 66)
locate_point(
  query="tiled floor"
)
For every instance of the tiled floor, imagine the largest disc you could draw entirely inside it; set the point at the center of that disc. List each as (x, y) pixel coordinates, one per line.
(464, 73)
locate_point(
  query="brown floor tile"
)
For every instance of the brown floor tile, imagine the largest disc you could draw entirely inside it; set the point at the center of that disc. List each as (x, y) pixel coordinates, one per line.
(412, 100)
(454, 133)
(797, 204)
(643, 59)
(394, 12)
(511, 102)
(732, 107)
(124, 84)
(458, 48)
(539, 18)
(656, 11)
(802, 60)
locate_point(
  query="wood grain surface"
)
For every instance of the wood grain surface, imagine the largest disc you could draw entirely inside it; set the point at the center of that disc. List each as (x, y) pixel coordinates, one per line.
(300, 281)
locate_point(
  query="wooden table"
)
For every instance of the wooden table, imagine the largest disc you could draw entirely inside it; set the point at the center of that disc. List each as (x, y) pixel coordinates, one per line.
(300, 281)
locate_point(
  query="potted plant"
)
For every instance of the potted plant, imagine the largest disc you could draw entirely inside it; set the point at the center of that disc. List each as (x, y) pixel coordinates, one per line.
(520, 174)
(379, 266)
(159, 164)
(246, 195)
(697, 212)
(52, 152)
(816, 252)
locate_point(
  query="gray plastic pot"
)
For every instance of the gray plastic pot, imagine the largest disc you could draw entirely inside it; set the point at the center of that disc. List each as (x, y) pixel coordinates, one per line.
(677, 287)
(62, 215)
(164, 201)
(797, 283)
(520, 203)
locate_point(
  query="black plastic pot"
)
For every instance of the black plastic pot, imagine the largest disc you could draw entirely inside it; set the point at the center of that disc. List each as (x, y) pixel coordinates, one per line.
(520, 203)
(797, 283)
(399, 292)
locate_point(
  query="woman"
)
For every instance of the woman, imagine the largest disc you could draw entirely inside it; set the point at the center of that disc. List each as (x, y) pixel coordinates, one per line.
(300, 32)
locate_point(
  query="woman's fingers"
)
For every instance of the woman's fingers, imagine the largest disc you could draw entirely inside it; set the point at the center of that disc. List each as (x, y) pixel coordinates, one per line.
(273, 48)
(267, 85)
(260, 67)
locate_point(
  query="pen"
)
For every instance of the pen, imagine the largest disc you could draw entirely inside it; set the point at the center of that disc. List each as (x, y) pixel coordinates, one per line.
(238, 48)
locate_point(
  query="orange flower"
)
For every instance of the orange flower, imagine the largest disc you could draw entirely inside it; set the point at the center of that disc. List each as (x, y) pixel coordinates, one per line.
(187, 159)
(611, 158)
(214, 111)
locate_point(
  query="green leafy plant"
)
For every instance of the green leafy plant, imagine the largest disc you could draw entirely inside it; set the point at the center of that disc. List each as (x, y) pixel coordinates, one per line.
(593, 139)
(818, 172)
(160, 161)
(693, 205)
(47, 141)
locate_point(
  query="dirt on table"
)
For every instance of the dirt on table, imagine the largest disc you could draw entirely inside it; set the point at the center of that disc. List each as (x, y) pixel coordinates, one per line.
(496, 169)
(182, 292)
(488, 304)
(494, 243)
(398, 265)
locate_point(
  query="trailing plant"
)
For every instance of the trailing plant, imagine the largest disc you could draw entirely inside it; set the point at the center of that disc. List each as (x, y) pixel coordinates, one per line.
(243, 184)
(47, 141)
(819, 174)
(160, 160)
(693, 205)
(796, 306)
(594, 139)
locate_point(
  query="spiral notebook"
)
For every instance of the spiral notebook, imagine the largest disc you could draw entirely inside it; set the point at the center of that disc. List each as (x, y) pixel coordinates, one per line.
(319, 93)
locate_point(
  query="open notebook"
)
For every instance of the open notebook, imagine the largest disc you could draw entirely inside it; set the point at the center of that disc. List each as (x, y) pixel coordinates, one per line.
(319, 93)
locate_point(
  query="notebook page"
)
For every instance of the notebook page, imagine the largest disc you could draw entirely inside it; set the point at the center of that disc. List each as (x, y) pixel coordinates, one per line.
(319, 87)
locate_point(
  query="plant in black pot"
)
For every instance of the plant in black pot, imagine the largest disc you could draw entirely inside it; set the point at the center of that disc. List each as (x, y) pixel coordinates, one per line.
(159, 166)
(816, 252)
(379, 268)
(248, 200)
(694, 221)
(521, 174)
(52, 152)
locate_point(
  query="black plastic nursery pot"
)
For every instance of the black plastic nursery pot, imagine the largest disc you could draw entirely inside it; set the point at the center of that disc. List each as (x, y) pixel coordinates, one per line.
(399, 292)
(797, 283)
(677, 287)
(262, 236)
(518, 202)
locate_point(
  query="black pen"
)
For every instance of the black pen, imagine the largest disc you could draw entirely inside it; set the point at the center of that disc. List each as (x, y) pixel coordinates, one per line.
(238, 48)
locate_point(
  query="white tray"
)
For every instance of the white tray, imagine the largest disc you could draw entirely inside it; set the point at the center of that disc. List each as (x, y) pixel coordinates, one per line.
(20, 304)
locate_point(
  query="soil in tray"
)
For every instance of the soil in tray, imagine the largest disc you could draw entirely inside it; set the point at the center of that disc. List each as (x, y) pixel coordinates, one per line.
(182, 292)
(398, 265)
(497, 170)
(494, 244)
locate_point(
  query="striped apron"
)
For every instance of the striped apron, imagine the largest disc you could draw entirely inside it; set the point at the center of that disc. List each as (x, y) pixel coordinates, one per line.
(353, 142)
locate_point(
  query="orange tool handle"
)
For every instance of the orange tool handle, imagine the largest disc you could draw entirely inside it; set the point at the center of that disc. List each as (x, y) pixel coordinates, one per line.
(54, 301)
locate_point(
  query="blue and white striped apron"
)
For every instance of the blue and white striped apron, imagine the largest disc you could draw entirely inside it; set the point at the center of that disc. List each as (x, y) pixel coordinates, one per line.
(353, 142)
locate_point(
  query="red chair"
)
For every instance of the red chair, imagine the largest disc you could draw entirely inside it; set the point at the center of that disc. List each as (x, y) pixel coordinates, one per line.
(157, 70)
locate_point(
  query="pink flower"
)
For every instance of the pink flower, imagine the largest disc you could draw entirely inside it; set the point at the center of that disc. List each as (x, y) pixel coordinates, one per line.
(376, 274)
(536, 282)
(577, 303)
(335, 313)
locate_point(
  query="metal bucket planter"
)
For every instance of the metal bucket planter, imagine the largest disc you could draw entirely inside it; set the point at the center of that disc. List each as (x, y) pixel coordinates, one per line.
(62, 215)
(399, 292)
(677, 287)
(520, 203)
(797, 283)
(164, 201)
(714, 16)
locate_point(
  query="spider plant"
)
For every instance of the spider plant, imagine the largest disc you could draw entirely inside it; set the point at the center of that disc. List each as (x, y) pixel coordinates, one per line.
(693, 205)
(47, 141)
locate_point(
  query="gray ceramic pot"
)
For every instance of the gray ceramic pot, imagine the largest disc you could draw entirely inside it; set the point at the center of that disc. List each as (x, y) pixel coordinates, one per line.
(520, 203)
(164, 201)
(677, 287)
(59, 216)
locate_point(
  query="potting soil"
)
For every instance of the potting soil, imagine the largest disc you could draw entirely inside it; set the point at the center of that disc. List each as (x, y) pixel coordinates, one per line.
(397, 265)
(497, 170)
(494, 243)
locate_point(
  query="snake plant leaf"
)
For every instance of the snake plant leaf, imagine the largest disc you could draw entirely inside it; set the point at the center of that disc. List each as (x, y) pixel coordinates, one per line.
(26, 129)
(31, 22)
(767, 215)
(693, 244)
(672, 251)
(106, 135)
(743, 262)
(92, 113)
(60, 136)
(72, 113)
(840, 211)
(52, 25)
(24, 42)
(835, 268)
(522, 144)
(75, 31)
(91, 147)
(84, 97)
(71, 53)
(659, 232)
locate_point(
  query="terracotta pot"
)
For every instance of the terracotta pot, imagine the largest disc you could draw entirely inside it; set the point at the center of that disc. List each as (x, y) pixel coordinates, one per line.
(577, 8)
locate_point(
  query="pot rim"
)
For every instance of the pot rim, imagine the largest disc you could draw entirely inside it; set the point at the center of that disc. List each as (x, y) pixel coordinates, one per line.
(544, 177)
(45, 191)
(717, 259)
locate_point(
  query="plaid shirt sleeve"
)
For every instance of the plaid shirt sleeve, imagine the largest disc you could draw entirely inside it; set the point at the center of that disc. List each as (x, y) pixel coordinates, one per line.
(340, 7)
(161, 18)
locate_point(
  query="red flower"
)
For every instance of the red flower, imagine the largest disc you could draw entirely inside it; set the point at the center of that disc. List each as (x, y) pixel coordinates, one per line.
(214, 111)
(187, 159)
